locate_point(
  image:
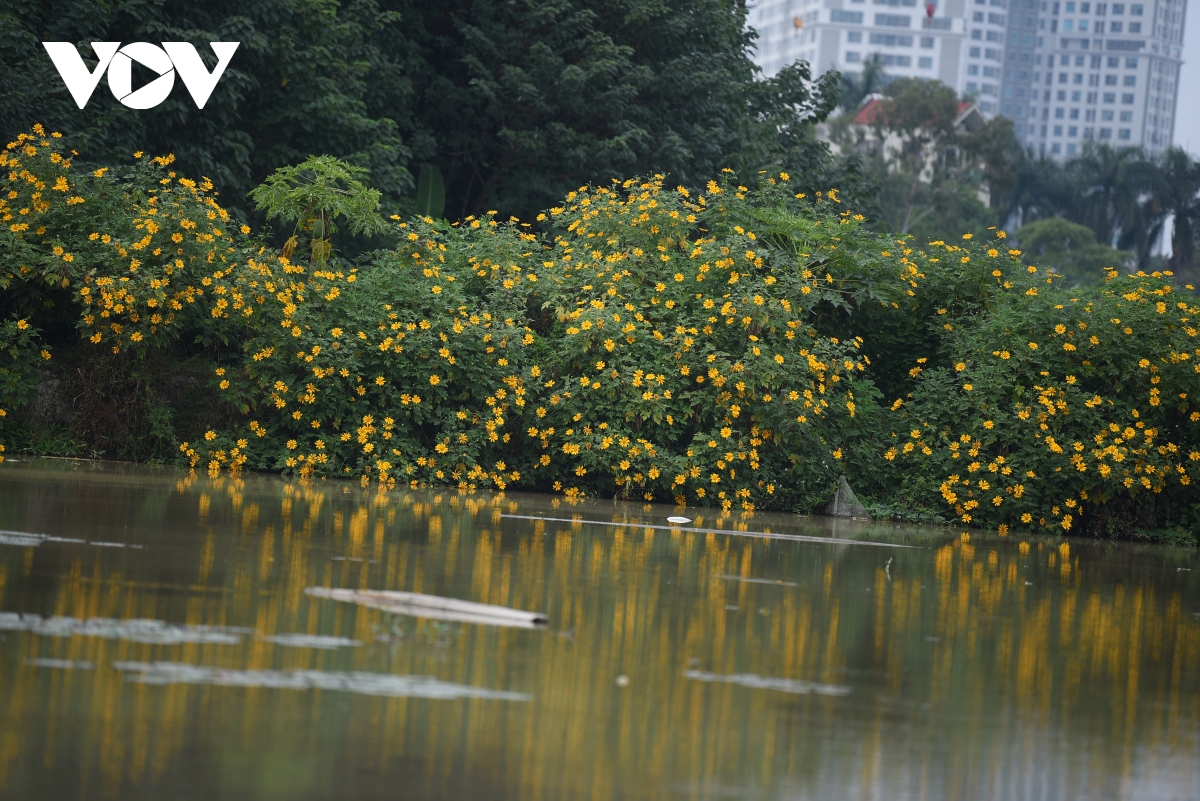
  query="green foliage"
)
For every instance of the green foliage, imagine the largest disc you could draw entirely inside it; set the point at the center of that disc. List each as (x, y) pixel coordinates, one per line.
(313, 196)
(303, 81)
(1070, 250)
(517, 103)
(856, 87)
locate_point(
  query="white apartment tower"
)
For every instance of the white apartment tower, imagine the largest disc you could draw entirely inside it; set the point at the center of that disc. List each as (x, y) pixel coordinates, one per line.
(1065, 71)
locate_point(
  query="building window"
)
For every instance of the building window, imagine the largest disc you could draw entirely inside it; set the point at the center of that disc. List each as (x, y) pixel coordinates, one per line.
(1072, 149)
(1114, 62)
(977, 34)
(1106, 133)
(1110, 97)
(854, 36)
(1115, 27)
(852, 17)
(1075, 96)
(891, 40)
(1058, 130)
(927, 42)
(1110, 80)
(974, 52)
(972, 69)
(893, 21)
(1126, 116)
(925, 63)
(1107, 116)
(1056, 148)
(1130, 80)
(1131, 63)
(1124, 133)
(852, 57)
(1059, 113)
(1136, 9)
(1135, 27)
(1073, 131)
(1127, 100)
(1074, 113)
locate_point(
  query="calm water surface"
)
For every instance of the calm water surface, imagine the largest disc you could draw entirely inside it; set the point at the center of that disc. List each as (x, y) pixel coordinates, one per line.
(156, 642)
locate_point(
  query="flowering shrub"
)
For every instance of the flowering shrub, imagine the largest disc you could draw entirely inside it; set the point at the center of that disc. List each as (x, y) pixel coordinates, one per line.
(1041, 406)
(728, 346)
(686, 362)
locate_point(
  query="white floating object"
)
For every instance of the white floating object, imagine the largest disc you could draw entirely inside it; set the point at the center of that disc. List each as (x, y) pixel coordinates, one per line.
(157, 632)
(361, 683)
(679, 519)
(310, 641)
(767, 683)
(433, 606)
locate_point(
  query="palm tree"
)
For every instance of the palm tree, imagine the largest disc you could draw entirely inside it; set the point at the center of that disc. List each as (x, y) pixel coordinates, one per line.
(1176, 192)
(856, 87)
(1110, 184)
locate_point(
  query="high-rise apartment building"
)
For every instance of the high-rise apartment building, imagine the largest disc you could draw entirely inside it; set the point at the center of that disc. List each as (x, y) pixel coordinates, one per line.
(1065, 71)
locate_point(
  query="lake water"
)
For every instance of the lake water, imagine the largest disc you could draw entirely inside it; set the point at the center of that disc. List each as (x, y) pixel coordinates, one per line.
(157, 642)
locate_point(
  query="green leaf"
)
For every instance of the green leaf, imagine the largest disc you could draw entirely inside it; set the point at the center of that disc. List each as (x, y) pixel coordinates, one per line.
(431, 192)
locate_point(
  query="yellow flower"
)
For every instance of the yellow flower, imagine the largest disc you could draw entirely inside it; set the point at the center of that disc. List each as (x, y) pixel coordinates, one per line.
(434, 380)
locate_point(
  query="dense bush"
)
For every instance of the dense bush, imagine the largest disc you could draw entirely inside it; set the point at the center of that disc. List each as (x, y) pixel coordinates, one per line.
(729, 347)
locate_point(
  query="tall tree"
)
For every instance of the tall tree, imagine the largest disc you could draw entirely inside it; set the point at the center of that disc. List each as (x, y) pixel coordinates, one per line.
(856, 86)
(524, 101)
(1109, 183)
(298, 84)
(1176, 193)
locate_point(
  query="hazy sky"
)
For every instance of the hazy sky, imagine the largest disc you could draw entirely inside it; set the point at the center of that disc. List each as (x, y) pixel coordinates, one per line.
(1187, 113)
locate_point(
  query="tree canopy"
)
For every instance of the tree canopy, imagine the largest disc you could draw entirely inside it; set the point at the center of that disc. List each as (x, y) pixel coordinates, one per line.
(514, 103)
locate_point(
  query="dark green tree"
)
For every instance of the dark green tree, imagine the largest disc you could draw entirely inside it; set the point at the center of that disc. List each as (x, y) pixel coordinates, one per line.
(299, 84)
(524, 102)
(1176, 192)
(856, 86)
